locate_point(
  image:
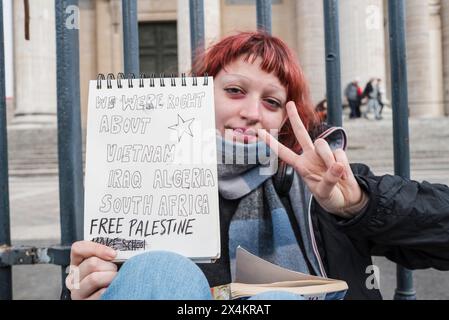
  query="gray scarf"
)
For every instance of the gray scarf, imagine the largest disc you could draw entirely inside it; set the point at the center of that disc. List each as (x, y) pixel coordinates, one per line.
(260, 223)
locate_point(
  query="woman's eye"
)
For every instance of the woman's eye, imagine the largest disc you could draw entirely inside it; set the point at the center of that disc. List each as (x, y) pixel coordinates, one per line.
(273, 103)
(233, 90)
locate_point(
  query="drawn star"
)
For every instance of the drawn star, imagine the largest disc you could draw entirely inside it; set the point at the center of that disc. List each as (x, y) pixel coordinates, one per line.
(182, 126)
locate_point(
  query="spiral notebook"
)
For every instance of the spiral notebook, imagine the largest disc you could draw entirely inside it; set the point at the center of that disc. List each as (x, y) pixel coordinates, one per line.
(151, 166)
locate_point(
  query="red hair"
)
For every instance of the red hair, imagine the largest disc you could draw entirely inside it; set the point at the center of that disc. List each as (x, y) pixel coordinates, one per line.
(277, 58)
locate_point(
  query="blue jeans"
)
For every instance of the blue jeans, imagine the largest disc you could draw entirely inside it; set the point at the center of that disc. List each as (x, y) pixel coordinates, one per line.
(161, 275)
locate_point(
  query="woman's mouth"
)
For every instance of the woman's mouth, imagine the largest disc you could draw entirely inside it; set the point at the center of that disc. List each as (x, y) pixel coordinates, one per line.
(244, 135)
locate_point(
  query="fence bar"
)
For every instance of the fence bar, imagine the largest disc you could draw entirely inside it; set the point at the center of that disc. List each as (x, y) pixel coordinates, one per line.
(396, 9)
(130, 37)
(28, 255)
(196, 28)
(263, 8)
(69, 125)
(5, 236)
(333, 72)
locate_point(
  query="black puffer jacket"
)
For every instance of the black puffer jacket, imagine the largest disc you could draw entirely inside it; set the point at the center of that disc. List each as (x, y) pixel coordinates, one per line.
(405, 221)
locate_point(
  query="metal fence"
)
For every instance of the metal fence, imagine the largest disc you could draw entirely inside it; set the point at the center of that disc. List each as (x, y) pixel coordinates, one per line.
(70, 134)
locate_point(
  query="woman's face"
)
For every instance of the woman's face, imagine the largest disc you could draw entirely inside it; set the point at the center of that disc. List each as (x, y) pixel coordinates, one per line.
(247, 99)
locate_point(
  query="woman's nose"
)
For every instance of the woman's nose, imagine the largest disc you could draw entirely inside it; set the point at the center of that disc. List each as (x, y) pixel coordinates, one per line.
(251, 111)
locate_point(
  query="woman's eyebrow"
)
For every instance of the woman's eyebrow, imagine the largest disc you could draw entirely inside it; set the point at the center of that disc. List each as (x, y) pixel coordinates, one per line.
(230, 77)
(277, 88)
(242, 77)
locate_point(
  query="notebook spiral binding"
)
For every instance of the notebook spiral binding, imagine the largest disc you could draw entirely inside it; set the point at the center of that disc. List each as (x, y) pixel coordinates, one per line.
(121, 77)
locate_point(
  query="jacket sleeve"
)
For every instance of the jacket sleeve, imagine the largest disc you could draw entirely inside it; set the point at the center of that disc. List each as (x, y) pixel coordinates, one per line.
(405, 221)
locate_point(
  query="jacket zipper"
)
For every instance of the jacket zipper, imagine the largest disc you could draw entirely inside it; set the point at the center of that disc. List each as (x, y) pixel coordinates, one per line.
(323, 135)
(314, 246)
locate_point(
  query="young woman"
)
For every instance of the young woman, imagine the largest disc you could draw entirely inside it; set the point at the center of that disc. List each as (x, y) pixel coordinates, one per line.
(329, 222)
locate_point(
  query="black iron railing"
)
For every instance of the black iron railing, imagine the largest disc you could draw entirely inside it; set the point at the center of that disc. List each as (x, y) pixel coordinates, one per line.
(69, 120)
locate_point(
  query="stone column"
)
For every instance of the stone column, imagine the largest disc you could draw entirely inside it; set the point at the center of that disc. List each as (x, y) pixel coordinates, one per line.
(109, 34)
(445, 17)
(9, 54)
(88, 51)
(212, 20)
(424, 58)
(436, 51)
(212, 30)
(310, 45)
(35, 64)
(184, 51)
(362, 41)
(387, 82)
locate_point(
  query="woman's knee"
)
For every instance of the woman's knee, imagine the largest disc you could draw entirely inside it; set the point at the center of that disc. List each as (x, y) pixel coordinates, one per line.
(155, 260)
(162, 266)
(161, 275)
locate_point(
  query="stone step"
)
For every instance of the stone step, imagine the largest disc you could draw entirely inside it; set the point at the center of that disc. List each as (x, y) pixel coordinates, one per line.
(32, 151)
(24, 172)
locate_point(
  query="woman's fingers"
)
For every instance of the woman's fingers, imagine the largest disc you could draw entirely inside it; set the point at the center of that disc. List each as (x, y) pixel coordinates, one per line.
(298, 127)
(324, 151)
(341, 157)
(282, 151)
(85, 249)
(97, 295)
(89, 268)
(94, 264)
(330, 179)
(92, 283)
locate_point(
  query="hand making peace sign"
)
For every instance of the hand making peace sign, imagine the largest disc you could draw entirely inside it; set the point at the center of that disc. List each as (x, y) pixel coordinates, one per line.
(327, 173)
